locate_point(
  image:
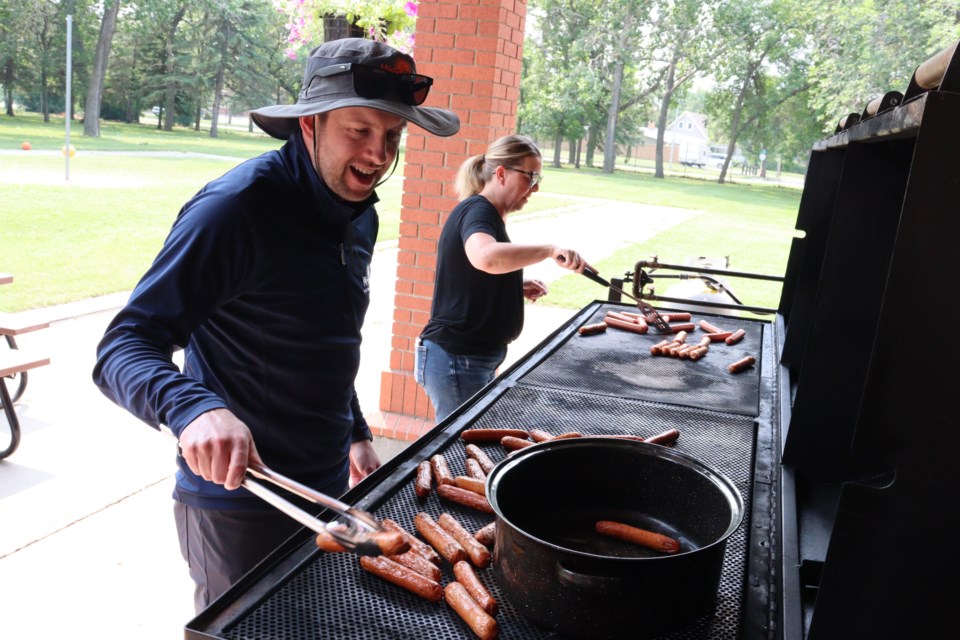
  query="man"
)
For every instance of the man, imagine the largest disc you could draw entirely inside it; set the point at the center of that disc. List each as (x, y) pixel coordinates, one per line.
(264, 283)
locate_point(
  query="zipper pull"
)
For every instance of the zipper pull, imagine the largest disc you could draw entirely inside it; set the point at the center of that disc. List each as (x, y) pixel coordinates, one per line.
(343, 257)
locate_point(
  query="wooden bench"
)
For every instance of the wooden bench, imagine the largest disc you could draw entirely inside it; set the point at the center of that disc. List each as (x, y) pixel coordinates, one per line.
(13, 324)
(12, 362)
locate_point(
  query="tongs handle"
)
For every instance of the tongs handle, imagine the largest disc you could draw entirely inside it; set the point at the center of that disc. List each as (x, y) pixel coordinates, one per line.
(264, 472)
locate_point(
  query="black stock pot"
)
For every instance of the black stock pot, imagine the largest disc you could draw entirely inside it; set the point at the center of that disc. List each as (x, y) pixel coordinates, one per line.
(557, 571)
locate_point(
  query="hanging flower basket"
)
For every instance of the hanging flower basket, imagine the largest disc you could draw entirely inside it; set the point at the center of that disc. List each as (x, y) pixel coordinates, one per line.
(337, 27)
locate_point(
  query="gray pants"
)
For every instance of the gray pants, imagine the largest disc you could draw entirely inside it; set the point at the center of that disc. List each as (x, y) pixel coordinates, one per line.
(221, 546)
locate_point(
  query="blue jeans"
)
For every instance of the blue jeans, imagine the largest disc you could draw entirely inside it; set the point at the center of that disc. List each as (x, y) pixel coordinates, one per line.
(450, 379)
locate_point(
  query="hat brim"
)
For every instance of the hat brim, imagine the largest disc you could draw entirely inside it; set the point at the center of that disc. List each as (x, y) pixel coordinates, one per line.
(280, 121)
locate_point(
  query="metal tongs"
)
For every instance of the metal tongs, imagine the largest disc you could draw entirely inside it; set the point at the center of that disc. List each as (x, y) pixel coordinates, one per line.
(652, 314)
(352, 530)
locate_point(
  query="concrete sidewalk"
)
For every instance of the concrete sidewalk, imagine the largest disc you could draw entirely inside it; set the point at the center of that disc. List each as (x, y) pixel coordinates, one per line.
(87, 543)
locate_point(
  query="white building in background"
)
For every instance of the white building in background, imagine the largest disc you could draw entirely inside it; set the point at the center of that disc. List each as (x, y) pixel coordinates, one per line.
(685, 140)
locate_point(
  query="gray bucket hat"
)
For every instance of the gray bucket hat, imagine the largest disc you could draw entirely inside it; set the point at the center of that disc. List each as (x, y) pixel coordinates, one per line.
(329, 83)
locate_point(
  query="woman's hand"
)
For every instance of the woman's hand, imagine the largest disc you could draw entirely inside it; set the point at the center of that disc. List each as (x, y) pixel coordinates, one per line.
(570, 259)
(533, 290)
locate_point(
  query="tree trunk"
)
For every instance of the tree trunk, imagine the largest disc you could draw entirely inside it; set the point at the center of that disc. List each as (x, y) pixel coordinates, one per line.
(592, 144)
(557, 145)
(217, 95)
(91, 108)
(610, 152)
(572, 155)
(664, 115)
(8, 85)
(735, 121)
(44, 105)
(170, 97)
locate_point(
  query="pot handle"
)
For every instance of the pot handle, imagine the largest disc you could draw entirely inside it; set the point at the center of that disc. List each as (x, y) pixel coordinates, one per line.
(584, 582)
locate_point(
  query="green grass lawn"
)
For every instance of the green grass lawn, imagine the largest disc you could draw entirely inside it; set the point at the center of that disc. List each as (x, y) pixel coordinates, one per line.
(97, 233)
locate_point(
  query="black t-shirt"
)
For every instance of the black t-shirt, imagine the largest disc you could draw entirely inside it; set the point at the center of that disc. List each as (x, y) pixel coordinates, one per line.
(473, 311)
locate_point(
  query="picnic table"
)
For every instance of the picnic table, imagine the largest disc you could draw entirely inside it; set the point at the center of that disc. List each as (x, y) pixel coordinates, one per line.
(14, 364)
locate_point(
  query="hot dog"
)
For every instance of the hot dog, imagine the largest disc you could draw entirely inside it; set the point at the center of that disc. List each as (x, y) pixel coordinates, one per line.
(710, 328)
(680, 338)
(416, 544)
(475, 452)
(719, 337)
(477, 553)
(676, 316)
(466, 576)
(736, 337)
(391, 543)
(480, 622)
(673, 349)
(621, 317)
(465, 498)
(424, 479)
(486, 534)
(403, 577)
(471, 484)
(683, 351)
(448, 548)
(413, 560)
(656, 349)
(512, 444)
(474, 470)
(326, 542)
(667, 437)
(441, 471)
(568, 434)
(627, 325)
(539, 435)
(592, 329)
(683, 326)
(697, 353)
(742, 364)
(491, 435)
(705, 341)
(649, 539)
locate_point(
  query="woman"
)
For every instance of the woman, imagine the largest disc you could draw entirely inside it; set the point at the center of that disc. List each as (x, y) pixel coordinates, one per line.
(479, 287)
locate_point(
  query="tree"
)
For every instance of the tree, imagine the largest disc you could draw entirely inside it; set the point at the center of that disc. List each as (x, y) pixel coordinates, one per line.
(15, 27)
(686, 34)
(761, 36)
(91, 111)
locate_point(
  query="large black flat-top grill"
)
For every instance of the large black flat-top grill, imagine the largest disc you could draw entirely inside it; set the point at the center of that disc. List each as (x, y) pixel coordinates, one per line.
(843, 441)
(602, 384)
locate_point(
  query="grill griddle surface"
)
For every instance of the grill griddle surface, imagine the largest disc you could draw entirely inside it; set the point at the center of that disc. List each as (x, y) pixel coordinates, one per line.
(618, 363)
(330, 596)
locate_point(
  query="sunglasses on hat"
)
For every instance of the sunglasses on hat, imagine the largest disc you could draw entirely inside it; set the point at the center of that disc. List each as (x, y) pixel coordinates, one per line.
(370, 82)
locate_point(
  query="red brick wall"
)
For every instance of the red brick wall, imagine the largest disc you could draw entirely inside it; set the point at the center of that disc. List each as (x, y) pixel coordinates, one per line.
(473, 50)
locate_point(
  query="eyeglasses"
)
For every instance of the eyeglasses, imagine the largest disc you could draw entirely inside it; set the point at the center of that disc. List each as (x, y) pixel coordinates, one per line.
(370, 82)
(535, 176)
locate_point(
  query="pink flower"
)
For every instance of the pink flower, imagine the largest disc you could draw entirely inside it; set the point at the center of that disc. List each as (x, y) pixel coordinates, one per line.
(411, 9)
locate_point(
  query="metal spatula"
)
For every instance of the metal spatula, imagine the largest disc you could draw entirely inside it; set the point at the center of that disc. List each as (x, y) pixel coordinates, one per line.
(652, 314)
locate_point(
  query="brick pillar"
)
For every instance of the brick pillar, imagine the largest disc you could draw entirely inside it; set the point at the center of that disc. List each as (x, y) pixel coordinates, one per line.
(473, 50)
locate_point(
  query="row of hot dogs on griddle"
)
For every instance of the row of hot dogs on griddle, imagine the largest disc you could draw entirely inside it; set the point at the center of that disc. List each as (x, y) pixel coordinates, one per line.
(681, 327)
(414, 563)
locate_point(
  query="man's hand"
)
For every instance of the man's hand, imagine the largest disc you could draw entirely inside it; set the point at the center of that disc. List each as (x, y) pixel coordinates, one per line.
(217, 446)
(363, 461)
